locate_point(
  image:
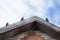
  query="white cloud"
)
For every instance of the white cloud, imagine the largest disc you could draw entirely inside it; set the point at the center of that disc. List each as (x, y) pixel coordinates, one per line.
(51, 3)
(39, 7)
(12, 10)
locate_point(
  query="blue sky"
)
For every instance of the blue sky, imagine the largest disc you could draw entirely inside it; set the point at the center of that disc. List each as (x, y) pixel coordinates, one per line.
(12, 10)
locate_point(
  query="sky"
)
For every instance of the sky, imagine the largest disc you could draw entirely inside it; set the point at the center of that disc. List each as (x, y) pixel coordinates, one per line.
(11, 11)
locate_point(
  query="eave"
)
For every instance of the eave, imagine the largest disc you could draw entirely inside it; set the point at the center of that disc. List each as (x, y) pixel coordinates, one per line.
(26, 24)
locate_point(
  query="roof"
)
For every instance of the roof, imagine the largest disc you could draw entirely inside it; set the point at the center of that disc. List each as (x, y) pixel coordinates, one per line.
(36, 19)
(29, 20)
(16, 25)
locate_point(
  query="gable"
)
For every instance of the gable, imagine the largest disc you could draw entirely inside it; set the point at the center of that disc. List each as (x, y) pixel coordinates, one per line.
(27, 24)
(25, 35)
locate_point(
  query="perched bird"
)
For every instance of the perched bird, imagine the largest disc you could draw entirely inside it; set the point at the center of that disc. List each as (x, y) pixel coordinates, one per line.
(22, 18)
(47, 20)
(7, 24)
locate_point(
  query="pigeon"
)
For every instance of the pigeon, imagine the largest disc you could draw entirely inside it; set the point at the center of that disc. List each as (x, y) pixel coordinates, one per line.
(7, 24)
(22, 18)
(47, 20)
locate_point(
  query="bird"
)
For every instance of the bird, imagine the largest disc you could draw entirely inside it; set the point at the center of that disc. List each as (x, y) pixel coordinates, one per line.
(47, 20)
(22, 18)
(7, 24)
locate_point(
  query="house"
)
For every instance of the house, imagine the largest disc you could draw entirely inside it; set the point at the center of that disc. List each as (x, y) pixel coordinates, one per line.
(30, 28)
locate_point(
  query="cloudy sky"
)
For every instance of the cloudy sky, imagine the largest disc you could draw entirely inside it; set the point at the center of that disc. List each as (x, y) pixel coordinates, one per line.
(12, 10)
